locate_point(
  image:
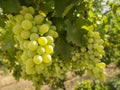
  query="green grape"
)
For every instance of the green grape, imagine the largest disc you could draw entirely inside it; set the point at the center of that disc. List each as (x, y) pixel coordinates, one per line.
(101, 64)
(19, 38)
(32, 45)
(90, 46)
(34, 36)
(90, 34)
(86, 56)
(29, 63)
(42, 40)
(100, 41)
(49, 22)
(50, 39)
(47, 58)
(92, 57)
(17, 29)
(96, 60)
(83, 49)
(90, 40)
(31, 53)
(100, 56)
(24, 56)
(34, 29)
(101, 51)
(40, 50)
(31, 10)
(24, 10)
(37, 59)
(22, 46)
(101, 47)
(90, 52)
(96, 35)
(25, 44)
(95, 46)
(96, 53)
(28, 16)
(19, 18)
(52, 44)
(49, 49)
(53, 27)
(38, 19)
(43, 29)
(74, 58)
(55, 35)
(39, 68)
(30, 70)
(52, 33)
(26, 24)
(25, 34)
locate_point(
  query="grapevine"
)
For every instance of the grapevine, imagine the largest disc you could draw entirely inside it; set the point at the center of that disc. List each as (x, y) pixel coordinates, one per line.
(48, 45)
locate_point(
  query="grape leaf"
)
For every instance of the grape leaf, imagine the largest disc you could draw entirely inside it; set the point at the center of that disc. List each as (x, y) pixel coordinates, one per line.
(27, 2)
(8, 44)
(68, 8)
(47, 7)
(58, 8)
(2, 20)
(8, 7)
(75, 35)
(62, 48)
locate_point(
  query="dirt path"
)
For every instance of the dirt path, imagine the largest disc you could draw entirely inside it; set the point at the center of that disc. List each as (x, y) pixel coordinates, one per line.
(7, 82)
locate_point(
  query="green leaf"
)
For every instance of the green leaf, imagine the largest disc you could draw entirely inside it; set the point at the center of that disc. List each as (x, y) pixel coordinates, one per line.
(3, 18)
(76, 35)
(10, 6)
(27, 2)
(58, 9)
(68, 8)
(82, 22)
(47, 6)
(62, 48)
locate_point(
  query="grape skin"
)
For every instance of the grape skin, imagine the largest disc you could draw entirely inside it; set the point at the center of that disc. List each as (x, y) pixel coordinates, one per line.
(42, 40)
(26, 24)
(28, 16)
(49, 49)
(47, 58)
(32, 45)
(40, 50)
(38, 19)
(34, 36)
(43, 29)
(25, 34)
(37, 59)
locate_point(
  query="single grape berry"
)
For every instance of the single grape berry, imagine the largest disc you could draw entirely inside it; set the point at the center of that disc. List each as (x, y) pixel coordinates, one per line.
(37, 59)
(32, 45)
(26, 24)
(42, 40)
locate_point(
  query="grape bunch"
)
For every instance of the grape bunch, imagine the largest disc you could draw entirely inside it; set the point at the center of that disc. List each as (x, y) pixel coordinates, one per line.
(35, 38)
(90, 55)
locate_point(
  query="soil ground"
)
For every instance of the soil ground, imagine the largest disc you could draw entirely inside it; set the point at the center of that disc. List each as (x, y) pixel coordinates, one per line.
(7, 81)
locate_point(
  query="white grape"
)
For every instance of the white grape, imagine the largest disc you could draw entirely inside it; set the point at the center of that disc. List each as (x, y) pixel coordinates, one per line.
(25, 34)
(28, 16)
(26, 24)
(34, 36)
(37, 59)
(32, 45)
(42, 40)
(43, 29)
(38, 19)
